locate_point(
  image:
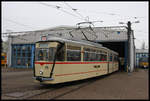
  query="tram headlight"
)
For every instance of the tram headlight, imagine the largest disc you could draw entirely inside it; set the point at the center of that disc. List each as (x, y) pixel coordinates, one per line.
(41, 72)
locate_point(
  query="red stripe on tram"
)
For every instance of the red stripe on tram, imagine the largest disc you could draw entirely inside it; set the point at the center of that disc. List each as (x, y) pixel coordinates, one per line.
(78, 73)
(42, 63)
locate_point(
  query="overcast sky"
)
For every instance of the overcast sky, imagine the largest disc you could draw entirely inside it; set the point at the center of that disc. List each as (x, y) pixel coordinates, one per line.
(28, 16)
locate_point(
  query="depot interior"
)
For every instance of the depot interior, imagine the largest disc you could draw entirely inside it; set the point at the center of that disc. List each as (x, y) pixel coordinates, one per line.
(121, 49)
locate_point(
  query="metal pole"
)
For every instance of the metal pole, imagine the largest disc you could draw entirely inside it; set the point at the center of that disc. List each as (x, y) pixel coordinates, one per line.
(129, 32)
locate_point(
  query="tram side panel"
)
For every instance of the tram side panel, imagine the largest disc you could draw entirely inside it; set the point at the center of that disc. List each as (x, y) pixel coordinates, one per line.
(116, 66)
(80, 71)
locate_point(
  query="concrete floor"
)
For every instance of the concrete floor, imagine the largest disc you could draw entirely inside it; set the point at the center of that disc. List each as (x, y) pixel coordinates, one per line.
(118, 85)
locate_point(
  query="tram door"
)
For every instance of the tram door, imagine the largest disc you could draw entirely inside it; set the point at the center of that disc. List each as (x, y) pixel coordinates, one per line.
(108, 63)
(113, 68)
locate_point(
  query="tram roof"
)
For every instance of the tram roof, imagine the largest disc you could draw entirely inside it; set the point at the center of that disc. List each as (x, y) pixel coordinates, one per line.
(77, 41)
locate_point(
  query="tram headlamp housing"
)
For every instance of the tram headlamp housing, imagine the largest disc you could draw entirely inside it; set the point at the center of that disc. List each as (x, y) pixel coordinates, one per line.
(41, 72)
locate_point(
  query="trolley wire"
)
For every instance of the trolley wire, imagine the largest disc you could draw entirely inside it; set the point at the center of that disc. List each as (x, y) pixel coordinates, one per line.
(112, 14)
(17, 23)
(60, 8)
(75, 10)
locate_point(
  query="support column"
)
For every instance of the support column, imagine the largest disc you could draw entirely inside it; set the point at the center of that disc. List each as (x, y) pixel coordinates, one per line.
(9, 52)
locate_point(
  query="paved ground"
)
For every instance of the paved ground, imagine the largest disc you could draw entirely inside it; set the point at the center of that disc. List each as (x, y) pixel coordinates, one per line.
(118, 85)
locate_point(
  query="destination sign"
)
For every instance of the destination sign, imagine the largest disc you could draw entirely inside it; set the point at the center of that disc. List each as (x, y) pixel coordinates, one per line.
(43, 45)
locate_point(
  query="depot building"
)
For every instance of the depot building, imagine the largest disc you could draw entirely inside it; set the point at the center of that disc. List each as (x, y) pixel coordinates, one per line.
(22, 44)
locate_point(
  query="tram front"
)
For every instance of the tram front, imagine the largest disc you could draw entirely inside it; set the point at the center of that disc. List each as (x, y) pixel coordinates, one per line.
(46, 54)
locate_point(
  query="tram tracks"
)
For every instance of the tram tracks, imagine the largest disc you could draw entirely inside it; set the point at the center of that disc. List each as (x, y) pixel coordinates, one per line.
(48, 91)
(24, 92)
(45, 92)
(61, 91)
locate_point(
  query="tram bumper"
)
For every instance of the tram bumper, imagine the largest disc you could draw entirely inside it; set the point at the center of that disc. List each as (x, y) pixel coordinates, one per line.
(42, 79)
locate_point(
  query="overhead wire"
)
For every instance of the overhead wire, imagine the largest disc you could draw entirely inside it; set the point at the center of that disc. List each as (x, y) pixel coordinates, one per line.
(7, 35)
(91, 11)
(17, 23)
(75, 10)
(60, 8)
(112, 14)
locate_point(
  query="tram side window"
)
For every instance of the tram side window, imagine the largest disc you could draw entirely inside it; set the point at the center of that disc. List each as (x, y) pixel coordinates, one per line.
(115, 58)
(86, 56)
(90, 55)
(110, 58)
(103, 57)
(73, 53)
(98, 57)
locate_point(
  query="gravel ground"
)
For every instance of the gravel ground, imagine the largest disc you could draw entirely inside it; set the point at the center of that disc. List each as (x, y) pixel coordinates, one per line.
(118, 85)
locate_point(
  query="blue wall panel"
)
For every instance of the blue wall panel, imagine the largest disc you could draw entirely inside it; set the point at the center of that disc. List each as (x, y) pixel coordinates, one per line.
(23, 55)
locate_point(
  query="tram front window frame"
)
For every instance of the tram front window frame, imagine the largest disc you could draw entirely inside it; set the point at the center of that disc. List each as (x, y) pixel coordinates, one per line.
(49, 54)
(45, 54)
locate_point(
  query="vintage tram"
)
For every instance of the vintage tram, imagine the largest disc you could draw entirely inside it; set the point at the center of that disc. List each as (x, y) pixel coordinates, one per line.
(143, 62)
(3, 59)
(59, 60)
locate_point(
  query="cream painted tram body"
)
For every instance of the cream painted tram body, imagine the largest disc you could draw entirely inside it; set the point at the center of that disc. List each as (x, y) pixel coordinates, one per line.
(60, 60)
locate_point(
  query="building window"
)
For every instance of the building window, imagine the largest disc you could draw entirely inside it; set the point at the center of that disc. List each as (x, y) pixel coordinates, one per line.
(20, 55)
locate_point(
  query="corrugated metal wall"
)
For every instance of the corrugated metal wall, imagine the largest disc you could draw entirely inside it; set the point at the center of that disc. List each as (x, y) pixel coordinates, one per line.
(98, 34)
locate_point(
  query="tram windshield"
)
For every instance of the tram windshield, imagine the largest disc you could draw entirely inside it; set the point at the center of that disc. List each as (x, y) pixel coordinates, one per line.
(45, 54)
(48, 54)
